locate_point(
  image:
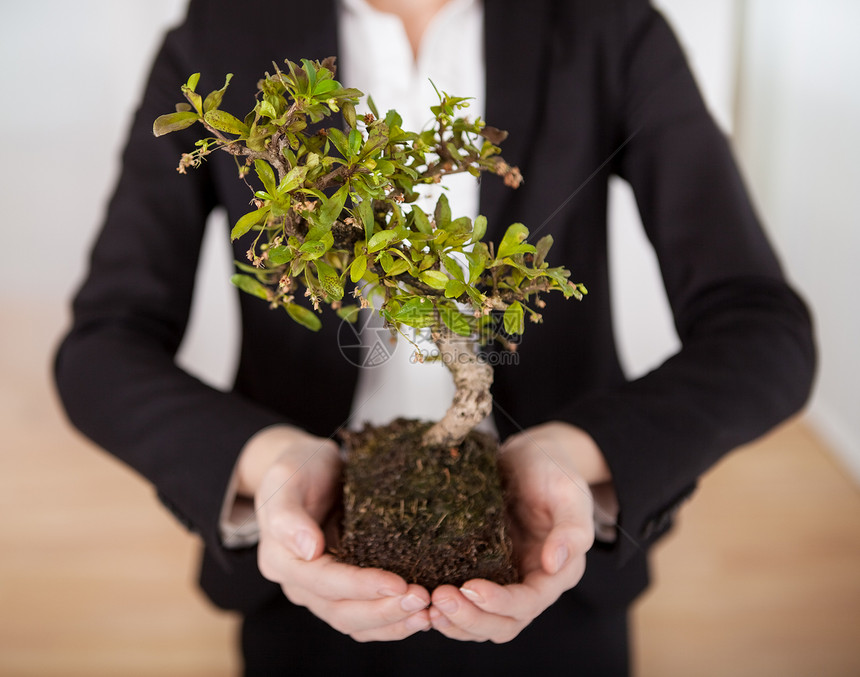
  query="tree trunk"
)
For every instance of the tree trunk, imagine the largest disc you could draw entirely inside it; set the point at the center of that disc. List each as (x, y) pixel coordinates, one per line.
(472, 380)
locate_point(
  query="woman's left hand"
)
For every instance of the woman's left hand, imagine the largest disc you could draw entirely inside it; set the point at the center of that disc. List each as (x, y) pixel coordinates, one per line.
(548, 469)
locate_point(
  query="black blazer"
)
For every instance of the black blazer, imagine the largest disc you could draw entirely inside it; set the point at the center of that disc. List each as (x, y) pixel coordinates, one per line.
(586, 89)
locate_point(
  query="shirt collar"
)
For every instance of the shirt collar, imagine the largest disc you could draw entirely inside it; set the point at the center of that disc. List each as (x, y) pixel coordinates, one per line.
(363, 8)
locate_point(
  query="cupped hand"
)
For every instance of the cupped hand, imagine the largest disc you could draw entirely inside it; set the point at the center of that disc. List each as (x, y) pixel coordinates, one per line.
(548, 469)
(298, 484)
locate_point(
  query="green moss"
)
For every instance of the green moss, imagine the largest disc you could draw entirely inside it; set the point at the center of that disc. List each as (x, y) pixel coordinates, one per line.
(431, 515)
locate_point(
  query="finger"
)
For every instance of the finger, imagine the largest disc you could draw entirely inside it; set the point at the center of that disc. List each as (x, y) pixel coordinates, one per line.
(527, 600)
(295, 495)
(417, 622)
(469, 621)
(571, 533)
(566, 541)
(327, 578)
(289, 513)
(442, 625)
(353, 617)
(287, 523)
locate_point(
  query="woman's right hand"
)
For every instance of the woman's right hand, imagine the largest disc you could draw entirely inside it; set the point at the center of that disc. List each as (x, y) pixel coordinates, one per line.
(295, 479)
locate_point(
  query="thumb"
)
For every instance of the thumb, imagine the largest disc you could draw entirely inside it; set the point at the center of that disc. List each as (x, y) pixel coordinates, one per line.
(306, 544)
(572, 535)
(285, 518)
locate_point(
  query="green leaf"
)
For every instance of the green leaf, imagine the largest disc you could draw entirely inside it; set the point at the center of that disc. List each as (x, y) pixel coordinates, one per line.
(195, 99)
(312, 249)
(250, 285)
(417, 313)
(455, 320)
(324, 87)
(280, 204)
(329, 280)
(541, 248)
(332, 208)
(354, 140)
(558, 275)
(173, 122)
(422, 221)
(511, 242)
(311, 72)
(365, 213)
(224, 122)
(348, 313)
(297, 267)
(476, 297)
(304, 316)
(279, 255)
(348, 109)
(358, 268)
(393, 119)
(293, 179)
(477, 259)
(192, 81)
(267, 175)
(380, 240)
(434, 278)
(454, 289)
(267, 109)
(453, 268)
(479, 228)
(443, 212)
(386, 167)
(372, 106)
(376, 139)
(386, 260)
(256, 137)
(514, 323)
(248, 221)
(461, 226)
(439, 236)
(398, 267)
(339, 140)
(213, 99)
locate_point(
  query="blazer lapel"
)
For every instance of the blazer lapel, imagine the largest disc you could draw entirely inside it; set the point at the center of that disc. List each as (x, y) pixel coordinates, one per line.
(315, 35)
(515, 51)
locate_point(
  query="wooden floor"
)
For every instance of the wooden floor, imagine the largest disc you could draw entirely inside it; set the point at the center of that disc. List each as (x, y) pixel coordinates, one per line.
(761, 578)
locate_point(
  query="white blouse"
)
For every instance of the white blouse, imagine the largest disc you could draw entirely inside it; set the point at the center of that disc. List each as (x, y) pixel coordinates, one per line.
(377, 58)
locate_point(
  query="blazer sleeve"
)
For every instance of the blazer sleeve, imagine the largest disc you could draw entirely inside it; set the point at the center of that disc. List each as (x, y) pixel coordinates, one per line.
(115, 370)
(747, 358)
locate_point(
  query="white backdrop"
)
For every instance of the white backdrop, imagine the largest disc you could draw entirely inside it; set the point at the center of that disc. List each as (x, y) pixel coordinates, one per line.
(799, 136)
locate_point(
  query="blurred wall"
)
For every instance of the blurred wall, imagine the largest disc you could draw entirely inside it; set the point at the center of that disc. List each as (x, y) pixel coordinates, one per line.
(71, 73)
(798, 127)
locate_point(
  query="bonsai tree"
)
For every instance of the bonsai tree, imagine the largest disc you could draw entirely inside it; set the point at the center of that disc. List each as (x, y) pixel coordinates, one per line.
(335, 222)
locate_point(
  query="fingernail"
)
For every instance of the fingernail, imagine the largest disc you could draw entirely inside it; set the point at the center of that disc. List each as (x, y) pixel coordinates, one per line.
(305, 545)
(561, 555)
(412, 602)
(472, 596)
(441, 622)
(417, 622)
(447, 606)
